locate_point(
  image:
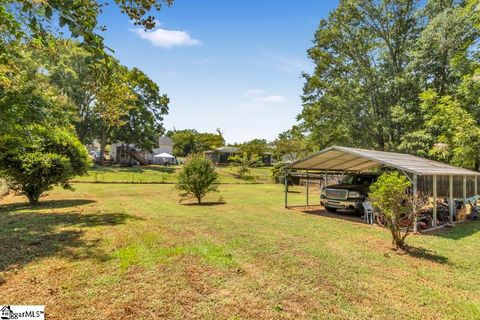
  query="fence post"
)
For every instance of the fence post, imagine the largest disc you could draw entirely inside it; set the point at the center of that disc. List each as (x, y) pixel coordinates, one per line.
(434, 201)
(475, 186)
(415, 199)
(307, 182)
(451, 201)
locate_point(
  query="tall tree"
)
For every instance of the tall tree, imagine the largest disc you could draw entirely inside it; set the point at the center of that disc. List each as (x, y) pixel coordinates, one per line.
(27, 96)
(190, 141)
(20, 19)
(70, 69)
(360, 57)
(442, 54)
(291, 146)
(115, 98)
(142, 124)
(455, 134)
(38, 148)
(255, 147)
(374, 59)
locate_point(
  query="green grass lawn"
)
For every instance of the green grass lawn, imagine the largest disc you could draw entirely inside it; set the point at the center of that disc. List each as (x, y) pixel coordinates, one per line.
(124, 251)
(163, 174)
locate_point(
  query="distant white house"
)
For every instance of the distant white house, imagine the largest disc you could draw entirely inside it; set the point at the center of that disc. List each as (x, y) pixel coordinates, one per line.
(130, 154)
(165, 145)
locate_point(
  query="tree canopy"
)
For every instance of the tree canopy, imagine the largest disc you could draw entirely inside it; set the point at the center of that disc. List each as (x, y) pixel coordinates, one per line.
(35, 158)
(375, 61)
(21, 19)
(191, 141)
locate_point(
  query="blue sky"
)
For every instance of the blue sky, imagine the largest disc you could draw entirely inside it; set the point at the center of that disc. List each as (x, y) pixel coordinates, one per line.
(233, 65)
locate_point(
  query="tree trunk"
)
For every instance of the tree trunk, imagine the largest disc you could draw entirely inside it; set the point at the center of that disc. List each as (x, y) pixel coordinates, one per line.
(199, 199)
(33, 198)
(380, 139)
(103, 142)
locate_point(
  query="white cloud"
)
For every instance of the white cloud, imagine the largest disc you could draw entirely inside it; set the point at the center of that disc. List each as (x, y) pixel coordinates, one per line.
(167, 38)
(271, 98)
(261, 95)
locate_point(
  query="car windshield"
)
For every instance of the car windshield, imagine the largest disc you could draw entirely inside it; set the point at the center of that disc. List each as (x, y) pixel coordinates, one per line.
(358, 179)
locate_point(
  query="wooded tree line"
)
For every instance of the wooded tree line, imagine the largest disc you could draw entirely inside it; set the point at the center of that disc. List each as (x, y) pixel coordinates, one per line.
(58, 85)
(190, 141)
(78, 81)
(395, 75)
(57, 93)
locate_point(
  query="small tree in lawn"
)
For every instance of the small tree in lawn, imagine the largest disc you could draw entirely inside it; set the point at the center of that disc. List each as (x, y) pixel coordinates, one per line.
(197, 178)
(36, 158)
(244, 163)
(390, 194)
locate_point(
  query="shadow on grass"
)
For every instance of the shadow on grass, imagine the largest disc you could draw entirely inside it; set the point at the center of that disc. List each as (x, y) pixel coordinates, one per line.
(28, 234)
(461, 230)
(134, 169)
(340, 215)
(203, 204)
(425, 254)
(47, 204)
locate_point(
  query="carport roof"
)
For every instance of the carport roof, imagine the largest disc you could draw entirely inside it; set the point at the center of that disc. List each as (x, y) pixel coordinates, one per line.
(352, 159)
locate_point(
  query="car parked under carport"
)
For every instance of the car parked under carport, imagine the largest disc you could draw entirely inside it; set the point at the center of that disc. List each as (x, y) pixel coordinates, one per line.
(424, 174)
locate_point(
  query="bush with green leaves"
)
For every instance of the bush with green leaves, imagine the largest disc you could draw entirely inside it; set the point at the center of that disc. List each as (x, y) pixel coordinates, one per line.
(197, 178)
(390, 194)
(244, 163)
(278, 175)
(35, 158)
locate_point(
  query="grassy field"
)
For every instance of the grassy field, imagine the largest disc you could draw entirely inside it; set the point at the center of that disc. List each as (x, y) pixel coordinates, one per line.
(162, 174)
(133, 252)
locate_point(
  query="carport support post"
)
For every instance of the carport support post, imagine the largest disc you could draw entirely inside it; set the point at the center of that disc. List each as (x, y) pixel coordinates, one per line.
(475, 186)
(451, 203)
(286, 189)
(465, 191)
(307, 187)
(415, 196)
(434, 201)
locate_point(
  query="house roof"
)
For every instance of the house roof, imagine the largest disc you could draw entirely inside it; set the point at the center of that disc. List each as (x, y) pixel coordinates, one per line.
(227, 150)
(352, 159)
(165, 141)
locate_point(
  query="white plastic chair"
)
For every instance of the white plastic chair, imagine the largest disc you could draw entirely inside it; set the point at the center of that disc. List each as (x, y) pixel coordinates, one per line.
(368, 209)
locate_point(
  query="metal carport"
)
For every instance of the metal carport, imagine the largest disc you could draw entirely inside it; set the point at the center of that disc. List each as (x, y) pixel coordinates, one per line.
(343, 159)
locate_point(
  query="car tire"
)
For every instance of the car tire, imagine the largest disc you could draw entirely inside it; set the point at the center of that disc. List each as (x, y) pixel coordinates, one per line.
(330, 209)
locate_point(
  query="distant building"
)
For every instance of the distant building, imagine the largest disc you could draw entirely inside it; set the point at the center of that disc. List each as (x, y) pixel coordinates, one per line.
(221, 155)
(130, 154)
(290, 157)
(165, 145)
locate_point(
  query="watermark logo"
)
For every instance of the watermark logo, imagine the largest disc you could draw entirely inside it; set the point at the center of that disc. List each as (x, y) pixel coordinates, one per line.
(22, 312)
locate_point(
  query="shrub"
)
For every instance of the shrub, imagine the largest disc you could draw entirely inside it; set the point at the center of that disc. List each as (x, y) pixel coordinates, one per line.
(390, 194)
(197, 178)
(278, 175)
(244, 162)
(36, 158)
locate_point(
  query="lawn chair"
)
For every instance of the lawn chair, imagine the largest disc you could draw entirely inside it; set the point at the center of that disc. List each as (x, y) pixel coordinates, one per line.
(368, 210)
